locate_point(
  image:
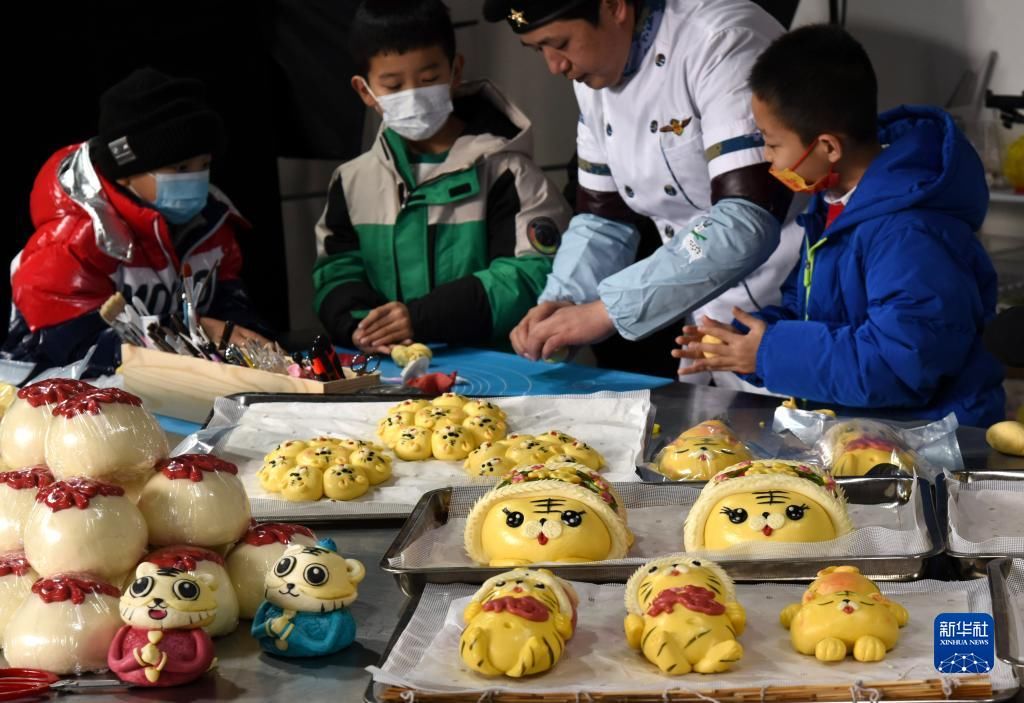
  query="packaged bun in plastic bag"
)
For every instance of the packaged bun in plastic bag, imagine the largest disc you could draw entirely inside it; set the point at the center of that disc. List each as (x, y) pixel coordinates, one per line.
(107, 435)
(24, 425)
(855, 447)
(65, 626)
(82, 525)
(17, 496)
(195, 499)
(701, 452)
(16, 579)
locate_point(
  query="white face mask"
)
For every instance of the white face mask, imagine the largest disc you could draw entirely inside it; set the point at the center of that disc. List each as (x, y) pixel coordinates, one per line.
(417, 113)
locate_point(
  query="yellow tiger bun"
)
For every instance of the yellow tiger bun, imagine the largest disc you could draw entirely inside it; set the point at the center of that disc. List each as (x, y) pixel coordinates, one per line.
(564, 513)
(517, 623)
(373, 462)
(529, 451)
(272, 475)
(486, 428)
(303, 483)
(432, 416)
(854, 447)
(451, 442)
(683, 615)
(391, 425)
(316, 457)
(486, 451)
(413, 444)
(287, 450)
(696, 457)
(583, 453)
(767, 501)
(483, 407)
(345, 482)
(450, 400)
(555, 437)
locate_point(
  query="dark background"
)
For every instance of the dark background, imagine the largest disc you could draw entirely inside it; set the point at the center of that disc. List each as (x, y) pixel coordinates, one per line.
(276, 71)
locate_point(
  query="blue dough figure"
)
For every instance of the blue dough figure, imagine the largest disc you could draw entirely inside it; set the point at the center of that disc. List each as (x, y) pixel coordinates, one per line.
(306, 594)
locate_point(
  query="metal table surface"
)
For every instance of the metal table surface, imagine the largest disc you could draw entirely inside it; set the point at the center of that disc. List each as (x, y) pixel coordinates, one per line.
(246, 674)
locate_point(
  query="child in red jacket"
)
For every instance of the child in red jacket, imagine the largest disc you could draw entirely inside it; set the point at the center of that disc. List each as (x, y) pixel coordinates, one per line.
(127, 211)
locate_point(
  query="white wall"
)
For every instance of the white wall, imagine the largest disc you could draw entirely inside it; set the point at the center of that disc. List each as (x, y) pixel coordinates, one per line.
(492, 51)
(921, 48)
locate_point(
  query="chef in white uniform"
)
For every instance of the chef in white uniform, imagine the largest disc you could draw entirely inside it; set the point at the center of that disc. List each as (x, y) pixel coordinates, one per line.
(665, 131)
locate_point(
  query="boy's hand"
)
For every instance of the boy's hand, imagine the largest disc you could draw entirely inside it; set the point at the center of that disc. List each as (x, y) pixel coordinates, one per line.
(384, 327)
(737, 352)
(214, 329)
(520, 335)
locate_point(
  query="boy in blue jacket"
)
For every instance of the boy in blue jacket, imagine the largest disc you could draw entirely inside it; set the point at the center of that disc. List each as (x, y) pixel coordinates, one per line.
(884, 313)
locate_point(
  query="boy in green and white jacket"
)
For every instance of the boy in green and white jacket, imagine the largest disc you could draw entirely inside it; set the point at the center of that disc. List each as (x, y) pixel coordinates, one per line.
(443, 231)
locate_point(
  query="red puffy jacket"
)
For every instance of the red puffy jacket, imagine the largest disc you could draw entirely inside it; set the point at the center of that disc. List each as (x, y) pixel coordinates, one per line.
(94, 238)
(89, 245)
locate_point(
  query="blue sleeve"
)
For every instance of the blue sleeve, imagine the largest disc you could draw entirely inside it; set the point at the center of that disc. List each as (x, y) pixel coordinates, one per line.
(724, 245)
(920, 327)
(788, 310)
(790, 307)
(263, 613)
(592, 249)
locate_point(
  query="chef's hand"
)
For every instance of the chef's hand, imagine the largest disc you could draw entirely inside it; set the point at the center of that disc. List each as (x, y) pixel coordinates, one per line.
(520, 335)
(569, 327)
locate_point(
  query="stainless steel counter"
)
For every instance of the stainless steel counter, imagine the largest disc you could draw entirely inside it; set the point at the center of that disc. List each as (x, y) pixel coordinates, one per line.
(246, 674)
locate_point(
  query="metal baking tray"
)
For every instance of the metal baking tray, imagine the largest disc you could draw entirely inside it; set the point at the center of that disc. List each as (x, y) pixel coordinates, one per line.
(282, 511)
(432, 512)
(374, 689)
(969, 565)
(1008, 609)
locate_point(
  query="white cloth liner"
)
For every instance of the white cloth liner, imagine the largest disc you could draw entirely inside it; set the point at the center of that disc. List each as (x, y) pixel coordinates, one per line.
(656, 515)
(597, 658)
(613, 423)
(986, 517)
(1015, 607)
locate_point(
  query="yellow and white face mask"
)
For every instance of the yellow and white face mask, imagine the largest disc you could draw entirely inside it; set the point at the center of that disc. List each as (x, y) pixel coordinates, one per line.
(796, 183)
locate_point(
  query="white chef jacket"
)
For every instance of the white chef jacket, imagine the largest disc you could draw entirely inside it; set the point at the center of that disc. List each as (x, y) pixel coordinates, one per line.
(694, 77)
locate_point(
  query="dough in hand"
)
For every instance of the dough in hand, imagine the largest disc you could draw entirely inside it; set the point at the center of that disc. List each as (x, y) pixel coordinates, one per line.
(710, 339)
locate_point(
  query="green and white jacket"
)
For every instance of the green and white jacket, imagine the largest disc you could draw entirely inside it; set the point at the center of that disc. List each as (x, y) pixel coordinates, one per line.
(466, 243)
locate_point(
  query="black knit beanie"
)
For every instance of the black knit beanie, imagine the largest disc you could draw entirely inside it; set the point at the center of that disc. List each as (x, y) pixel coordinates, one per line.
(150, 120)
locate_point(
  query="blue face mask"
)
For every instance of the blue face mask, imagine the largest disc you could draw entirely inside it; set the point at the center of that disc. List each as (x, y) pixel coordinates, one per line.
(181, 196)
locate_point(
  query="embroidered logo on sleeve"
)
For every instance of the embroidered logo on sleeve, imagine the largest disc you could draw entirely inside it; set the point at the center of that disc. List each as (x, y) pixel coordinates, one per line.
(691, 243)
(544, 235)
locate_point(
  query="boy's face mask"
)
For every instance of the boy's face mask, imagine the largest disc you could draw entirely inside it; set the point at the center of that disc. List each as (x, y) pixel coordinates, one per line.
(181, 196)
(796, 183)
(417, 113)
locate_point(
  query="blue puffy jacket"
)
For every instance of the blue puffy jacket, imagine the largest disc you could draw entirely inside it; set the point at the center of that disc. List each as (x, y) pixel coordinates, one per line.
(884, 313)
